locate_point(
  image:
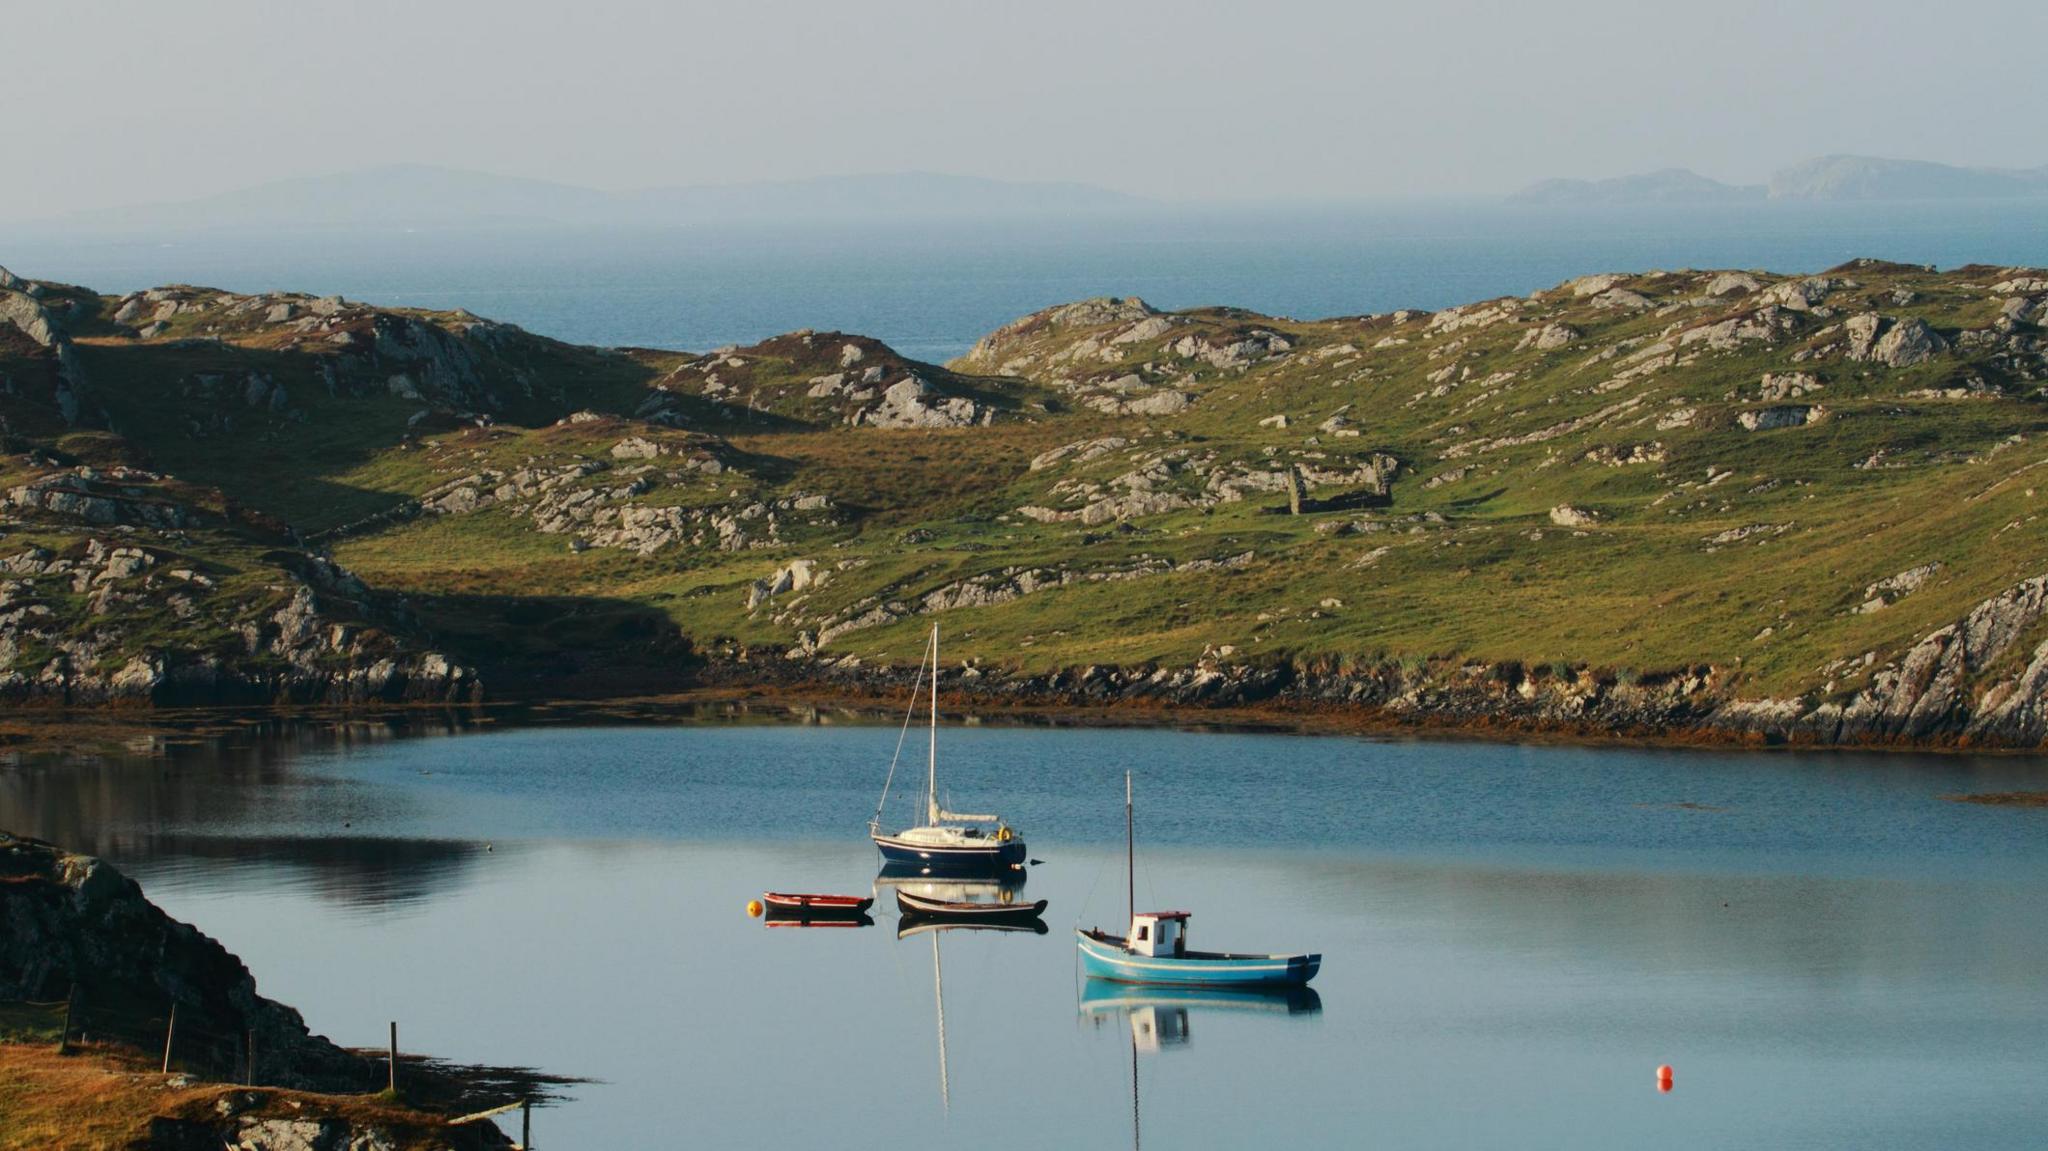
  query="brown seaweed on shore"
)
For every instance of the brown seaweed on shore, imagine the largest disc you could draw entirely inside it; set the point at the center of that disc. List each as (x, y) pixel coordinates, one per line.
(2002, 798)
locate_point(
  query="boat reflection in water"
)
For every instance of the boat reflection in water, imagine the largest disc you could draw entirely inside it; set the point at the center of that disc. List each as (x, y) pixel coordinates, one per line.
(803, 918)
(909, 926)
(995, 901)
(1159, 1014)
(1003, 888)
(797, 919)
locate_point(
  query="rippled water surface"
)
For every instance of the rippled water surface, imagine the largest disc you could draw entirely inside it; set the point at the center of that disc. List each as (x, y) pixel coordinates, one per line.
(1514, 937)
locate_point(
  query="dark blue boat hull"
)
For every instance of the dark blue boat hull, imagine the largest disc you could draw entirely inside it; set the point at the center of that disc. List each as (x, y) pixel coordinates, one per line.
(912, 859)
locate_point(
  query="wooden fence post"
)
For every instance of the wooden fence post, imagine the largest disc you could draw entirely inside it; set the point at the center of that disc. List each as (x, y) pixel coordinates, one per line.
(525, 1124)
(249, 1068)
(70, 1005)
(170, 1034)
(393, 1062)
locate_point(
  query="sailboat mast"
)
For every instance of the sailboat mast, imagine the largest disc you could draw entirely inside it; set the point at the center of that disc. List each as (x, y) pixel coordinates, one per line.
(931, 786)
(939, 990)
(1130, 860)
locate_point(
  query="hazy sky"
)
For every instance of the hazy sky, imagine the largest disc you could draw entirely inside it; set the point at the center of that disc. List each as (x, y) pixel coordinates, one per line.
(112, 102)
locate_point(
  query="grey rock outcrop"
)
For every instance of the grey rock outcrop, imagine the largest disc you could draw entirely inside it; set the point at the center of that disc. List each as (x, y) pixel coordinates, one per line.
(1908, 342)
(1079, 452)
(24, 312)
(1165, 402)
(1231, 353)
(796, 576)
(1890, 589)
(998, 351)
(1782, 386)
(1548, 337)
(1877, 339)
(1732, 283)
(1781, 416)
(326, 641)
(1804, 294)
(912, 403)
(90, 498)
(1934, 689)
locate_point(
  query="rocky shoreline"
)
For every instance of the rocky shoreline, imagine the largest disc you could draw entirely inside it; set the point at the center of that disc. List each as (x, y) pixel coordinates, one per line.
(1969, 684)
(1946, 691)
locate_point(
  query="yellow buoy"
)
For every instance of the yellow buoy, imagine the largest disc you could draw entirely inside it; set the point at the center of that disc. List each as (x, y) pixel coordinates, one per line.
(753, 909)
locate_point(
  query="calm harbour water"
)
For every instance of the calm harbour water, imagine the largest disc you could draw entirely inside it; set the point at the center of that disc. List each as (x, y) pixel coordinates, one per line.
(931, 288)
(1514, 937)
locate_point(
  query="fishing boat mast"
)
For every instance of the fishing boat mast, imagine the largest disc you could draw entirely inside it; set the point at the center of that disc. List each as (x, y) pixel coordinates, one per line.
(1130, 861)
(1136, 1143)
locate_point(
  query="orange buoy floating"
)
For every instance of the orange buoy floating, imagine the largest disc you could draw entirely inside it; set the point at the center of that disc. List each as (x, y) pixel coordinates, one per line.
(1664, 1078)
(754, 910)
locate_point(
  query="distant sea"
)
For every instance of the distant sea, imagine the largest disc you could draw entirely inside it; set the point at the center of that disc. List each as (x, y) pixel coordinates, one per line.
(931, 289)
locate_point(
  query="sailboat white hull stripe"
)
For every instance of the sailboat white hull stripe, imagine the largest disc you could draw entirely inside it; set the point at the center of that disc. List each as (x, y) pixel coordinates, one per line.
(927, 849)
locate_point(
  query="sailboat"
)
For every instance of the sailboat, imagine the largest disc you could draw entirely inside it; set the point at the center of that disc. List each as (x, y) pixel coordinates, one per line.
(947, 842)
(1155, 949)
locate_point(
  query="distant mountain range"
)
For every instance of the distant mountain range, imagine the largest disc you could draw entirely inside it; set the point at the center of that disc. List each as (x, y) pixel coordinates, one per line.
(427, 197)
(1824, 178)
(424, 197)
(1668, 186)
(1872, 178)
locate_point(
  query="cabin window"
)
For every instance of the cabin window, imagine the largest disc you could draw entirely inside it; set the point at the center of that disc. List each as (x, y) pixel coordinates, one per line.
(1144, 933)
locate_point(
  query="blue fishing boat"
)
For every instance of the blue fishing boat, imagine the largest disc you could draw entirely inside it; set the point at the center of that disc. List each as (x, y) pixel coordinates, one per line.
(1155, 948)
(948, 842)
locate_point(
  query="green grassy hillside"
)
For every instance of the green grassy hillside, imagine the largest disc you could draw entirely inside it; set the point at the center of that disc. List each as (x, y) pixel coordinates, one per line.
(1785, 483)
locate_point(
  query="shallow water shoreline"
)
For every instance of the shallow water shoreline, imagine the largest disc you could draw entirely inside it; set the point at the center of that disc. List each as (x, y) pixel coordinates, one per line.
(62, 732)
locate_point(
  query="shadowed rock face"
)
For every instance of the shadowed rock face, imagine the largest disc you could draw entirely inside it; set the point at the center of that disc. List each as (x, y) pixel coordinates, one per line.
(73, 919)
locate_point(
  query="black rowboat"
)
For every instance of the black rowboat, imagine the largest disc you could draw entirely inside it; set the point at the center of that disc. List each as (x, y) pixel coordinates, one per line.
(961, 911)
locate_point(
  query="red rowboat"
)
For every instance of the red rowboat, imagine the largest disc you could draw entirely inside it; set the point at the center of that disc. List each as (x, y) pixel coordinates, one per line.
(816, 906)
